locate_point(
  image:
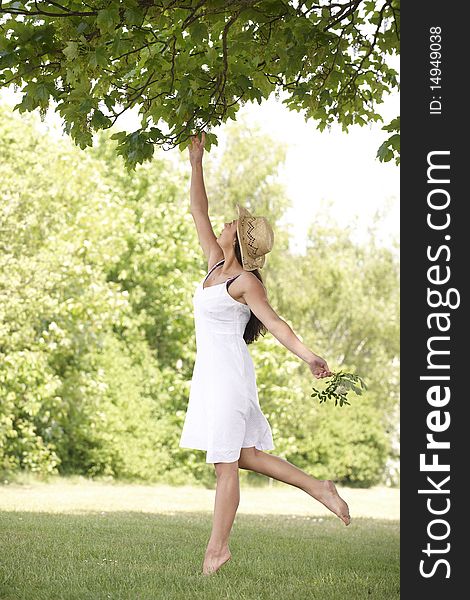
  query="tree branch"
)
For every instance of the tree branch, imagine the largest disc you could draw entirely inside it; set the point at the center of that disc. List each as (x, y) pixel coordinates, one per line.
(68, 13)
(343, 13)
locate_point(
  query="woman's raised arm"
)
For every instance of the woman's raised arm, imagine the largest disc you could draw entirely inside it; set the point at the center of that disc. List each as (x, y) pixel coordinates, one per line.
(199, 206)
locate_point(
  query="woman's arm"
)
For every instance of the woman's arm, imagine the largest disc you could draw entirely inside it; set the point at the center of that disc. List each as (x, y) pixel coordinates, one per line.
(197, 193)
(254, 293)
(199, 206)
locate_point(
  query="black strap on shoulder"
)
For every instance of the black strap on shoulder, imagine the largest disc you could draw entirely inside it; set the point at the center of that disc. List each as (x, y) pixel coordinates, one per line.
(213, 267)
(232, 279)
(216, 265)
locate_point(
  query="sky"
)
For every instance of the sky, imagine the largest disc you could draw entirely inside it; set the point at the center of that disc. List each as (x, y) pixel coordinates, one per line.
(335, 171)
(329, 171)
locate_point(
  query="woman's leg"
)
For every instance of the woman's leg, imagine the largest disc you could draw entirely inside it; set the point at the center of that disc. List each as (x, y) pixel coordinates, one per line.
(227, 499)
(322, 490)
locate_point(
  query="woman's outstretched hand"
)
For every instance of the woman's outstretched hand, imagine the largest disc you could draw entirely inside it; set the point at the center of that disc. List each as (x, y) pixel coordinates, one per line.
(319, 367)
(196, 149)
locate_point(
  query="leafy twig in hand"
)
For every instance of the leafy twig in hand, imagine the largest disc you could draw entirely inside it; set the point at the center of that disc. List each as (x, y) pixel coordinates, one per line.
(339, 386)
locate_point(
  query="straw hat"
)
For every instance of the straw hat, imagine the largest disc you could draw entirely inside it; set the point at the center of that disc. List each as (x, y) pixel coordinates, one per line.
(256, 239)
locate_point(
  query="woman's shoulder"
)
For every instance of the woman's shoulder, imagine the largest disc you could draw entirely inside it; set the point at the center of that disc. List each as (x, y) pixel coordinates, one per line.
(249, 281)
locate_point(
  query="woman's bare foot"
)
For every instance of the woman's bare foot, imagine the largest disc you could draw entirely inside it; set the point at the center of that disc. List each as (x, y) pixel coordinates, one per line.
(333, 501)
(214, 559)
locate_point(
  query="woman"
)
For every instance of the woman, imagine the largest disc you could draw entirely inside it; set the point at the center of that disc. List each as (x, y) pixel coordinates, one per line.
(224, 416)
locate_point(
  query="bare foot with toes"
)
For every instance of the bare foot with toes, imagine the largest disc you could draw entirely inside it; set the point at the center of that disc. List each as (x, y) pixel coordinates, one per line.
(333, 501)
(213, 560)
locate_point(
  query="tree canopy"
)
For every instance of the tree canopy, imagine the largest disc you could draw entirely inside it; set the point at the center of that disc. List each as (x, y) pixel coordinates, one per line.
(189, 65)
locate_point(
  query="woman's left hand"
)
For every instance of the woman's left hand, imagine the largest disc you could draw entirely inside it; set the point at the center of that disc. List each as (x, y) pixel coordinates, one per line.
(319, 368)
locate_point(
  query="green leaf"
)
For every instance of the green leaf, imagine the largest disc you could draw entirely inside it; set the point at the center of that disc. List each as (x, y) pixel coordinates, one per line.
(42, 93)
(244, 82)
(394, 141)
(107, 19)
(99, 120)
(383, 153)
(335, 78)
(98, 58)
(198, 31)
(134, 15)
(119, 135)
(71, 50)
(394, 125)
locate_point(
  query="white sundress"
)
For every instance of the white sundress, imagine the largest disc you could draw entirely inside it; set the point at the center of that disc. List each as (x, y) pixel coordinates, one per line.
(223, 413)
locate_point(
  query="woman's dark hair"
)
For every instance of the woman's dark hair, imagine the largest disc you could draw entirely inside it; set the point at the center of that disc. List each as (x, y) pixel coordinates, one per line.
(254, 328)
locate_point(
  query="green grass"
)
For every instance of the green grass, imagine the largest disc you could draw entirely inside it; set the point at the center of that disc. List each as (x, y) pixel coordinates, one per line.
(140, 556)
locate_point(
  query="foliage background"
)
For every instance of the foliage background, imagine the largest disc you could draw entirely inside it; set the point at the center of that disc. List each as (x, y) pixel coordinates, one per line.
(97, 270)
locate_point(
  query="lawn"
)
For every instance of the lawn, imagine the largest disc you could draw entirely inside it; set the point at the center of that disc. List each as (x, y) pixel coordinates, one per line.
(82, 553)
